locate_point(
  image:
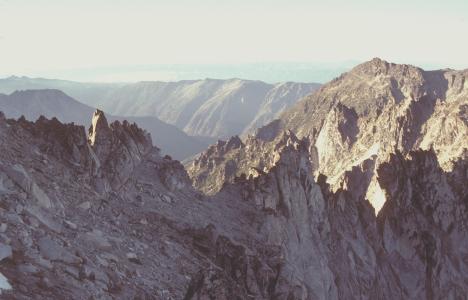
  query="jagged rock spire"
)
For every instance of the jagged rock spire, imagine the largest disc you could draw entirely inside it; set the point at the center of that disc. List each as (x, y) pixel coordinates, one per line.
(99, 125)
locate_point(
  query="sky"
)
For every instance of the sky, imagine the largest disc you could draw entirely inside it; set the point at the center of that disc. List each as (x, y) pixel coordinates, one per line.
(83, 40)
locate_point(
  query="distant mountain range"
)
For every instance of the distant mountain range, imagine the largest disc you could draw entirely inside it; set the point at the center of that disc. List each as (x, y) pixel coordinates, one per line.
(54, 103)
(209, 108)
(270, 72)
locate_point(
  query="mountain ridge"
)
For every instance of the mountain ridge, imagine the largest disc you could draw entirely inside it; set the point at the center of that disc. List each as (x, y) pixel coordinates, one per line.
(55, 103)
(208, 107)
(369, 112)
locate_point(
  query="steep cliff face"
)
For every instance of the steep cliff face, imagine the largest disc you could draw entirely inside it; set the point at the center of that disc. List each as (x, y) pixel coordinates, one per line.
(331, 244)
(423, 225)
(372, 111)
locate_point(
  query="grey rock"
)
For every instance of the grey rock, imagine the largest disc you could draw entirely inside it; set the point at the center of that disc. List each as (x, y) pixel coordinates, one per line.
(44, 218)
(85, 205)
(5, 251)
(97, 239)
(19, 175)
(30, 269)
(70, 224)
(133, 258)
(165, 198)
(51, 250)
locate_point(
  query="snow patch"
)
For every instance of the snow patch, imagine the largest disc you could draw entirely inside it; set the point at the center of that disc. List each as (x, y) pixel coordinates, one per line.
(373, 150)
(376, 196)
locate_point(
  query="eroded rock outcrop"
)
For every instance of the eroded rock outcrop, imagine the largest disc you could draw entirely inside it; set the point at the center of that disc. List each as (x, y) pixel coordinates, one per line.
(119, 148)
(225, 161)
(423, 225)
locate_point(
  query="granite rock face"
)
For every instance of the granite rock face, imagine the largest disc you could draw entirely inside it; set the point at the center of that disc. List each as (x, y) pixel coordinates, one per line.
(333, 246)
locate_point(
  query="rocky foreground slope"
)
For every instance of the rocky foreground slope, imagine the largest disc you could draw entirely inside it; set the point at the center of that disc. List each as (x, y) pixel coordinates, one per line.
(104, 216)
(372, 112)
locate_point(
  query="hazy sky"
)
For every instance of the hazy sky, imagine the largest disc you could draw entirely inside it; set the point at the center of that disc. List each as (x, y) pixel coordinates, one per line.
(43, 36)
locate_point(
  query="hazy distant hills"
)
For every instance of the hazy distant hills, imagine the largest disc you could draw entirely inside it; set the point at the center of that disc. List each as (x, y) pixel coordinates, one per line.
(270, 72)
(78, 90)
(210, 107)
(55, 103)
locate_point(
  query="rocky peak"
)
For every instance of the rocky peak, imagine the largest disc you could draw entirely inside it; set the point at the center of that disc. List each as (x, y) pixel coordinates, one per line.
(109, 154)
(119, 147)
(366, 114)
(225, 161)
(379, 67)
(99, 131)
(104, 138)
(269, 132)
(377, 108)
(233, 143)
(66, 142)
(375, 66)
(291, 160)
